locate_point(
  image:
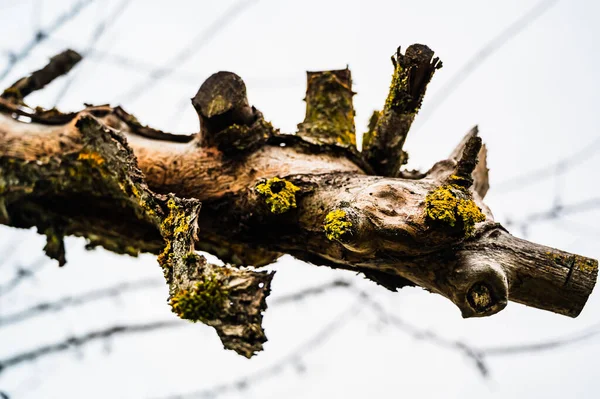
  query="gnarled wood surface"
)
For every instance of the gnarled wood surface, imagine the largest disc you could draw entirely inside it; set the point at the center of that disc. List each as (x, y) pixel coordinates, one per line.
(263, 193)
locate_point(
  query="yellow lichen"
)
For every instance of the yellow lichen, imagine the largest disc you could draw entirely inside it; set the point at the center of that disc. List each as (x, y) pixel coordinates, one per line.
(204, 301)
(279, 194)
(175, 223)
(93, 157)
(336, 224)
(480, 296)
(574, 261)
(453, 205)
(371, 133)
(399, 84)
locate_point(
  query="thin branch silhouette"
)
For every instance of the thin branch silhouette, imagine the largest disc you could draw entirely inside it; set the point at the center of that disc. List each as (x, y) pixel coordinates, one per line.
(291, 359)
(77, 300)
(182, 56)
(558, 168)
(100, 29)
(23, 273)
(42, 35)
(78, 341)
(485, 52)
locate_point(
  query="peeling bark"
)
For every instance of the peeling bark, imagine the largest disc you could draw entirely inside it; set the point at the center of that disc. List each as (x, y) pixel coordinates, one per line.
(100, 174)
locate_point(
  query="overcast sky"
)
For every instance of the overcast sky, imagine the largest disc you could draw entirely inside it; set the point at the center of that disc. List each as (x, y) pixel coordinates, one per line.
(535, 101)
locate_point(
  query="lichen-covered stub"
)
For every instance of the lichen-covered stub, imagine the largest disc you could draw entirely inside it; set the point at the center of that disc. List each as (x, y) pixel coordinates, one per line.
(453, 205)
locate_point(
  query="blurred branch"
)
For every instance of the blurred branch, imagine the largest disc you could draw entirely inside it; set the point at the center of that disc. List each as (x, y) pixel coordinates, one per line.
(100, 29)
(23, 273)
(92, 336)
(175, 73)
(424, 334)
(556, 212)
(490, 48)
(310, 291)
(42, 35)
(77, 300)
(77, 341)
(292, 359)
(556, 169)
(188, 51)
(577, 337)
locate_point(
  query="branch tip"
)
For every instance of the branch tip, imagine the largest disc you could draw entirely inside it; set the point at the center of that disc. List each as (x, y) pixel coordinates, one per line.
(58, 65)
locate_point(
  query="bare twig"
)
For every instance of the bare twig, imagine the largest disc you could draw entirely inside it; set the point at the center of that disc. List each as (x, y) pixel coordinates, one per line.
(22, 274)
(558, 168)
(101, 28)
(290, 359)
(77, 341)
(42, 35)
(197, 43)
(77, 300)
(491, 47)
(504, 350)
(310, 291)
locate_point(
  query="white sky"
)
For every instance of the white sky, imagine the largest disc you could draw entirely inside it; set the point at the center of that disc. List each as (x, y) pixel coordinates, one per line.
(535, 101)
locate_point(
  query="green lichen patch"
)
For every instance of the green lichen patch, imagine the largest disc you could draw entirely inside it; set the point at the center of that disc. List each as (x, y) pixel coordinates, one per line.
(337, 224)
(279, 194)
(453, 205)
(172, 227)
(205, 300)
(329, 109)
(370, 135)
(243, 139)
(398, 94)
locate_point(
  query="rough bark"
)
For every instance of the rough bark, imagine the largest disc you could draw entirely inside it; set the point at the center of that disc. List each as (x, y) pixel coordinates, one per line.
(384, 141)
(100, 174)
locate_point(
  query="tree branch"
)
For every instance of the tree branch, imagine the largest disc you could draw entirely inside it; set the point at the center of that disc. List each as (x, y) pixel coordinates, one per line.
(388, 129)
(59, 65)
(100, 174)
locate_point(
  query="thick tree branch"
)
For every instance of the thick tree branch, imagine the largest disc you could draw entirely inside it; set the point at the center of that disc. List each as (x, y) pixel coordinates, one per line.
(264, 193)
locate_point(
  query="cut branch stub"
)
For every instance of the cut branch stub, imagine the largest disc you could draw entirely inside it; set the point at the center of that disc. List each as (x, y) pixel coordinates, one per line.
(59, 65)
(329, 109)
(470, 164)
(383, 143)
(227, 121)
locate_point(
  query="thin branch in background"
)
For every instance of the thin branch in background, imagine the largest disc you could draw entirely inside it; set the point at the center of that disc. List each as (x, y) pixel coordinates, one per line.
(311, 291)
(174, 73)
(78, 300)
(40, 36)
(36, 17)
(23, 273)
(504, 350)
(78, 341)
(191, 49)
(558, 168)
(289, 361)
(424, 334)
(491, 47)
(101, 28)
(556, 212)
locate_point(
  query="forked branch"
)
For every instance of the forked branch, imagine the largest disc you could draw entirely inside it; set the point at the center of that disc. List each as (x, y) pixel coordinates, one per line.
(100, 174)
